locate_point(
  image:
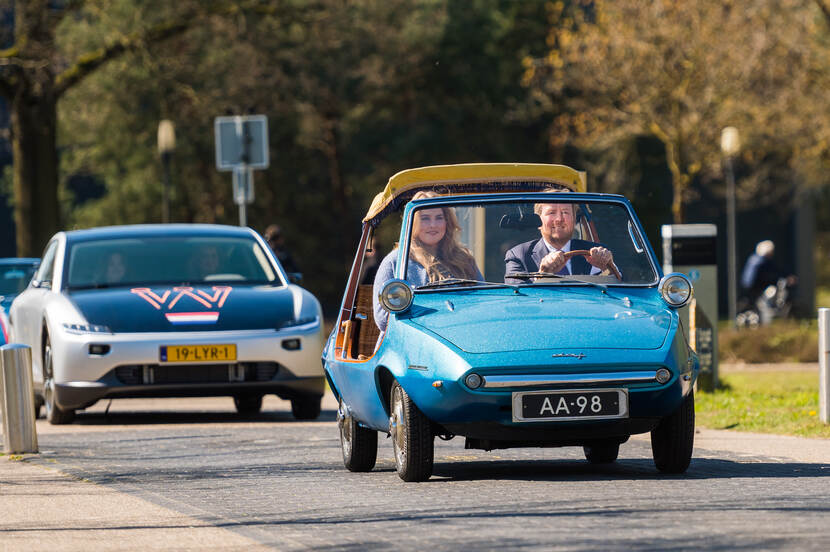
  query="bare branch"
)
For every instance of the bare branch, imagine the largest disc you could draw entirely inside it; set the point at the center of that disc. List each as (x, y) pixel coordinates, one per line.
(89, 62)
(825, 8)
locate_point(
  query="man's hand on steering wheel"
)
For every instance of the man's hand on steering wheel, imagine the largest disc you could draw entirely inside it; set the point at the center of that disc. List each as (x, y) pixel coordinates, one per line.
(600, 257)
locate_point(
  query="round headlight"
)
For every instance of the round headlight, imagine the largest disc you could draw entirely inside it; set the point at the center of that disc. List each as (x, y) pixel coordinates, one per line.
(396, 296)
(663, 375)
(676, 289)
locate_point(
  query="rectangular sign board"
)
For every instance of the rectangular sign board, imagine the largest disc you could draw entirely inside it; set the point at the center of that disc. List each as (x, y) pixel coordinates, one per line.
(241, 140)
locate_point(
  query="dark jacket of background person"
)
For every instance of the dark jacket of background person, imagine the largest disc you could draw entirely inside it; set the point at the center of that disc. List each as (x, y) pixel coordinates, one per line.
(759, 271)
(273, 235)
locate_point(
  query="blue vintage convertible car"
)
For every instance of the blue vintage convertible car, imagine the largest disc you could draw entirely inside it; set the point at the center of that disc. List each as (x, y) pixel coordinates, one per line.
(517, 311)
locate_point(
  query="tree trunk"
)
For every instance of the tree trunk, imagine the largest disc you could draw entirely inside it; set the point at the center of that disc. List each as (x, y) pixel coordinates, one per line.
(34, 145)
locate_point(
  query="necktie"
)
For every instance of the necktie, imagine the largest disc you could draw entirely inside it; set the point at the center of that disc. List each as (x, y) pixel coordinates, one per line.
(564, 270)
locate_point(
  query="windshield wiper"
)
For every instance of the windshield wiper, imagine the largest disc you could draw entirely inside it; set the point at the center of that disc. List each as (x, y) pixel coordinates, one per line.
(460, 281)
(542, 275)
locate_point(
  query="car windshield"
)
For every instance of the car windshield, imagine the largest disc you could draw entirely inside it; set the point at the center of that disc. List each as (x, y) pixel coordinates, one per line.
(14, 278)
(551, 242)
(168, 260)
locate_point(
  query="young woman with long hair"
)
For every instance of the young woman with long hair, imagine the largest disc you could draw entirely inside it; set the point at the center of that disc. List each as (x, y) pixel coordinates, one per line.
(434, 253)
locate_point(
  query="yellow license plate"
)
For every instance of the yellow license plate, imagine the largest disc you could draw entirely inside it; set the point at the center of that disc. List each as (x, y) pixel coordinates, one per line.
(197, 353)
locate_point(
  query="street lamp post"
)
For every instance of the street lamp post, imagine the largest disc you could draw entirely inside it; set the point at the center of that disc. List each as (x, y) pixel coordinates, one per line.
(166, 145)
(730, 144)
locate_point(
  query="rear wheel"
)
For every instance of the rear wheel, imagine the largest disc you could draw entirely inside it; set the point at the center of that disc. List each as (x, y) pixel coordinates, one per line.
(248, 404)
(306, 408)
(673, 439)
(412, 438)
(602, 452)
(54, 414)
(359, 444)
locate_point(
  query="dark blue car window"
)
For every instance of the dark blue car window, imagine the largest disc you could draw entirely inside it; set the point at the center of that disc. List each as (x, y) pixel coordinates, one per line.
(15, 278)
(168, 260)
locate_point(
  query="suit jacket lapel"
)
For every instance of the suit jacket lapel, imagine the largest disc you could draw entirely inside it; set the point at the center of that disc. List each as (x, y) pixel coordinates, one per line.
(537, 254)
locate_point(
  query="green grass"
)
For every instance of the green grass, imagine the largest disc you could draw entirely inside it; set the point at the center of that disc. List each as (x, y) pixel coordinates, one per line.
(782, 402)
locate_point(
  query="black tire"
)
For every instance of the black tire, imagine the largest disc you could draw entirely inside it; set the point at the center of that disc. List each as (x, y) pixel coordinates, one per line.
(306, 408)
(248, 404)
(673, 439)
(602, 452)
(412, 437)
(54, 414)
(359, 445)
(38, 406)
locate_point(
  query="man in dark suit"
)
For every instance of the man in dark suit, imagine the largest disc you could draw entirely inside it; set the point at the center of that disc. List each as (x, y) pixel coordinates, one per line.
(547, 254)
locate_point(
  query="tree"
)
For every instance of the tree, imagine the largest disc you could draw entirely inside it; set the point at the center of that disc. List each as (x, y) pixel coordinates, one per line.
(35, 74)
(354, 92)
(681, 71)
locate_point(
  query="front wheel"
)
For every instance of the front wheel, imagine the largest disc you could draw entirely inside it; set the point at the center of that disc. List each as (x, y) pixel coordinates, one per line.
(54, 414)
(673, 439)
(412, 438)
(359, 444)
(306, 408)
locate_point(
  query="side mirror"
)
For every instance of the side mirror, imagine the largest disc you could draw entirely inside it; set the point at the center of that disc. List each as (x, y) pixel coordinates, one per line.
(295, 277)
(45, 284)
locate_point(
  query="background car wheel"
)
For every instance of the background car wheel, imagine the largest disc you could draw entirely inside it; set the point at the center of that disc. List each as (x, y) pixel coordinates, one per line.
(602, 452)
(306, 408)
(673, 439)
(359, 445)
(248, 404)
(412, 438)
(54, 414)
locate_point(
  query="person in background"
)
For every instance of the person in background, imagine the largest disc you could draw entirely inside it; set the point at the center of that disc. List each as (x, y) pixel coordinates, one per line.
(273, 235)
(759, 271)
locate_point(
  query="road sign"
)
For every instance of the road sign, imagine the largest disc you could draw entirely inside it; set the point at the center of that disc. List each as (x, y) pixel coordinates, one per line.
(241, 140)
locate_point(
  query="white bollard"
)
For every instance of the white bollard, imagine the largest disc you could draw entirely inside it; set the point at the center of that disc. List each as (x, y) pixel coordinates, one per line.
(824, 365)
(17, 399)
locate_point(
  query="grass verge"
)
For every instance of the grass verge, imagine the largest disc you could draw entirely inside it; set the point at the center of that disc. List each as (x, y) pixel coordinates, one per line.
(782, 402)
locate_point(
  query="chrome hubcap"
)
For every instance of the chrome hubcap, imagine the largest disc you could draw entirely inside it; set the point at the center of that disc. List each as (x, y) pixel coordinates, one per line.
(48, 383)
(397, 428)
(345, 423)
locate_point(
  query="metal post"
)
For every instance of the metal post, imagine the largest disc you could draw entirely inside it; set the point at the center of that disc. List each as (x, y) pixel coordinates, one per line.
(240, 191)
(165, 202)
(824, 364)
(18, 401)
(731, 254)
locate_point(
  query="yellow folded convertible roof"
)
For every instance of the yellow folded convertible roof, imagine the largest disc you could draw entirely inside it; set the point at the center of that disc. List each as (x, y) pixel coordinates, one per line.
(472, 178)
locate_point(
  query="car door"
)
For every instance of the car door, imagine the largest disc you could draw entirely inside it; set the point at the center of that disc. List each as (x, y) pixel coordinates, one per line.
(350, 354)
(27, 309)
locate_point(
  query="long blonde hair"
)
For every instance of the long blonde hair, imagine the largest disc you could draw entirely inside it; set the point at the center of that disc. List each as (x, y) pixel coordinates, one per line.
(452, 257)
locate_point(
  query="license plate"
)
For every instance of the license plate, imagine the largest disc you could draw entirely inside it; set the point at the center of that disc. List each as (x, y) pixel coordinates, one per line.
(197, 353)
(584, 404)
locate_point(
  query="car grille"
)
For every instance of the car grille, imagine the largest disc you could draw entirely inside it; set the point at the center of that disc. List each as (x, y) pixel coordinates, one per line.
(148, 374)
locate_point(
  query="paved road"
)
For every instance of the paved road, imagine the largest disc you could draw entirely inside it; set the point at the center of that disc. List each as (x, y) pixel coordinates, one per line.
(278, 483)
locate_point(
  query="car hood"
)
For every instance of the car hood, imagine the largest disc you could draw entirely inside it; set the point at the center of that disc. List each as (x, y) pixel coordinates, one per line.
(196, 308)
(488, 321)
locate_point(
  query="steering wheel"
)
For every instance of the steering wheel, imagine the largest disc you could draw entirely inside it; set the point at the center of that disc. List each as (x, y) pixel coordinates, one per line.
(585, 253)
